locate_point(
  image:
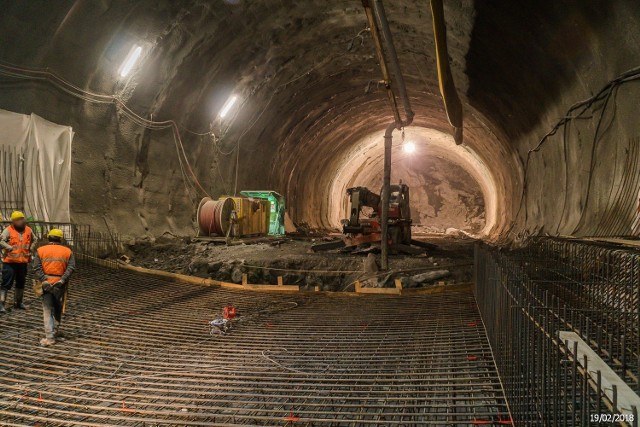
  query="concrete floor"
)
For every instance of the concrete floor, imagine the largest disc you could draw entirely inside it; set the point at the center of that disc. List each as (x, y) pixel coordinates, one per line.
(138, 352)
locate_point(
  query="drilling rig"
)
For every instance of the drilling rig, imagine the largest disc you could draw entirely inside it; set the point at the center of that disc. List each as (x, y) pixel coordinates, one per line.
(363, 224)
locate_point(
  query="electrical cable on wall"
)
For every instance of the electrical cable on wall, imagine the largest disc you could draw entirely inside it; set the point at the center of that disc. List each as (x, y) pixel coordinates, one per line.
(20, 72)
(599, 101)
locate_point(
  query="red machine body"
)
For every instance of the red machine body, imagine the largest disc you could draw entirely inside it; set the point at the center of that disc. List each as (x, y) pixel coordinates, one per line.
(367, 229)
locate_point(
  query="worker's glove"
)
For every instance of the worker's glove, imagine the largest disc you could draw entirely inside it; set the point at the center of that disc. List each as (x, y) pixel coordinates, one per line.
(9, 249)
(57, 291)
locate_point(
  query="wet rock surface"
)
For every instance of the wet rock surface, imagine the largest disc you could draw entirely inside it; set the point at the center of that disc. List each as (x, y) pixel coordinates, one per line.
(297, 264)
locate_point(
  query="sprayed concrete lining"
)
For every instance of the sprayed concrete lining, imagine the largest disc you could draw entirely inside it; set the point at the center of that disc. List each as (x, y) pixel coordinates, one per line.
(309, 101)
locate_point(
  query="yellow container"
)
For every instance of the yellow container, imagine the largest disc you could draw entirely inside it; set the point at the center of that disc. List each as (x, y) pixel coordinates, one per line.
(252, 216)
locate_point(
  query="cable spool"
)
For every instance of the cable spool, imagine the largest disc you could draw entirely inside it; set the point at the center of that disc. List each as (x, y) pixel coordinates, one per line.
(214, 216)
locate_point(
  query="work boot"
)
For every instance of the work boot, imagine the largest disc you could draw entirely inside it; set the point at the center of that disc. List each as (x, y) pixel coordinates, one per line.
(3, 298)
(58, 333)
(18, 296)
(46, 342)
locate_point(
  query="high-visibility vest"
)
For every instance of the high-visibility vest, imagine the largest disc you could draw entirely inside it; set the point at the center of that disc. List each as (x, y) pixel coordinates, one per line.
(54, 259)
(21, 244)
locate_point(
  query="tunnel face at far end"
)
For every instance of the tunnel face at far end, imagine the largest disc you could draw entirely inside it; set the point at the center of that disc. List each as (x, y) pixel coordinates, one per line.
(443, 194)
(449, 186)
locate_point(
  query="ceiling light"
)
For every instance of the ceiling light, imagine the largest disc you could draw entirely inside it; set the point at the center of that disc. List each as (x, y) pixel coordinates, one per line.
(227, 106)
(409, 147)
(130, 61)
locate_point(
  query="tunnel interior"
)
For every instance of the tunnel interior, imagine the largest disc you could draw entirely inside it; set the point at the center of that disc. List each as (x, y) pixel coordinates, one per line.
(519, 277)
(303, 118)
(309, 99)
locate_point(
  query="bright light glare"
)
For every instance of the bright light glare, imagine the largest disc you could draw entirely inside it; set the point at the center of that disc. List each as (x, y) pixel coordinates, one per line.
(409, 147)
(227, 106)
(130, 61)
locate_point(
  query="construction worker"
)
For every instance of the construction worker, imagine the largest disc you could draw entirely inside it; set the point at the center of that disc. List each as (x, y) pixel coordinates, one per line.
(53, 266)
(16, 242)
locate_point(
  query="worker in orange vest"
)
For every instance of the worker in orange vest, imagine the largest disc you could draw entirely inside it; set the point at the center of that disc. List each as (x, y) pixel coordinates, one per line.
(16, 242)
(53, 266)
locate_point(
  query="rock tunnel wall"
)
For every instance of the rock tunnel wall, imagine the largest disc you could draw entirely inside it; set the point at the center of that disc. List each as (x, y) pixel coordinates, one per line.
(583, 179)
(306, 75)
(122, 177)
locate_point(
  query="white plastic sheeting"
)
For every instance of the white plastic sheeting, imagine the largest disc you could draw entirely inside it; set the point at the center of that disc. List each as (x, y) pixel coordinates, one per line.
(47, 172)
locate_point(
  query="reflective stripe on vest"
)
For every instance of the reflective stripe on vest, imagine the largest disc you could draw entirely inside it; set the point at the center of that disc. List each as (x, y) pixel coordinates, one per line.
(54, 259)
(52, 279)
(21, 244)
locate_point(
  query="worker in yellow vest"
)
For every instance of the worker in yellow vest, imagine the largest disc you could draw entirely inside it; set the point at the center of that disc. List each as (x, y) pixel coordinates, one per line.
(53, 266)
(16, 242)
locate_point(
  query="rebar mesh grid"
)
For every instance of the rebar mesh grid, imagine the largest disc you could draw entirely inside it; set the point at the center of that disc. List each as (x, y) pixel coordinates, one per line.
(12, 184)
(138, 352)
(527, 297)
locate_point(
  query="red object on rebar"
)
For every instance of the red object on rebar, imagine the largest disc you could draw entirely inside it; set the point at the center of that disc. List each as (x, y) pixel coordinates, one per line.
(505, 422)
(229, 312)
(481, 422)
(39, 396)
(291, 417)
(472, 324)
(472, 357)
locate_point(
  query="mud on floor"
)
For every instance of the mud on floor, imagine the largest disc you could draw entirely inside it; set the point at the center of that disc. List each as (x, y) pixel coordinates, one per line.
(297, 264)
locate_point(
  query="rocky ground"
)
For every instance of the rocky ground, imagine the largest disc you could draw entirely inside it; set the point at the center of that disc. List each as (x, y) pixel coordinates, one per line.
(294, 260)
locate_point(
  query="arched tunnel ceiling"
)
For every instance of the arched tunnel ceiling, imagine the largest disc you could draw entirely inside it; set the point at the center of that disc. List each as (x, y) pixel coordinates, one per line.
(306, 75)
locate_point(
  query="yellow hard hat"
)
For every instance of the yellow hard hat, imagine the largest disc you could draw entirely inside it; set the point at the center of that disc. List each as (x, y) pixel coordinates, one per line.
(56, 232)
(16, 215)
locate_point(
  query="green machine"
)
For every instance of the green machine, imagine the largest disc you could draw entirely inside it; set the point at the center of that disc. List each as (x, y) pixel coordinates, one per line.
(276, 219)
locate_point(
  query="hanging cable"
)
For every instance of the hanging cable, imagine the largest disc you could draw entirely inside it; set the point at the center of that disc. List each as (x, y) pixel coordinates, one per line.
(575, 112)
(15, 71)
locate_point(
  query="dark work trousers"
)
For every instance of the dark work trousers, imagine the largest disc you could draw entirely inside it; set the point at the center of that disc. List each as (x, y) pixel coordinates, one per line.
(14, 272)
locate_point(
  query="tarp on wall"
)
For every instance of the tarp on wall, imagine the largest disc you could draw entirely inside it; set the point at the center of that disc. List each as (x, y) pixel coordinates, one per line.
(47, 174)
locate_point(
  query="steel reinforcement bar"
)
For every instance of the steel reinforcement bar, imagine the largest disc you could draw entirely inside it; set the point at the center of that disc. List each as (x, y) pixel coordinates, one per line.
(89, 246)
(138, 352)
(533, 299)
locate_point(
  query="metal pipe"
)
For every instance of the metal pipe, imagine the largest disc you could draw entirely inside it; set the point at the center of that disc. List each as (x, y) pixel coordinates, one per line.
(384, 199)
(381, 23)
(386, 77)
(392, 55)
